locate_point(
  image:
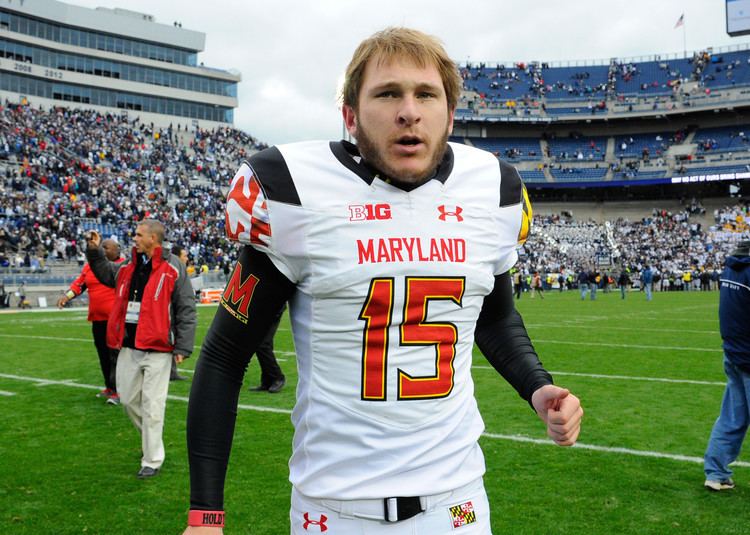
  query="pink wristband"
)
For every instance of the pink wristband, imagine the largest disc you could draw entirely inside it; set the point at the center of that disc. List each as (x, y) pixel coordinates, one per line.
(213, 519)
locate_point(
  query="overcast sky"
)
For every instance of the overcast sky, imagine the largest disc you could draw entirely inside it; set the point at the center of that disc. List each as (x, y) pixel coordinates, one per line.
(291, 53)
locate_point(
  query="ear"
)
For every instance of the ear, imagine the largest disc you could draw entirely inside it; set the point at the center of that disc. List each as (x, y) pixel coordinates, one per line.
(451, 113)
(350, 119)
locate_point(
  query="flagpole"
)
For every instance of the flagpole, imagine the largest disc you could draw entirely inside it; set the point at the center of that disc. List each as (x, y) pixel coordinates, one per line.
(684, 39)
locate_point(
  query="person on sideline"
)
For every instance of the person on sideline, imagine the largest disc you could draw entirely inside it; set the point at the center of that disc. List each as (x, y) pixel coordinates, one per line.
(152, 321)
(272, 379)
(21, 293)
(623, 282)
(647, 280)
(729, 430)
(395, 256)
(537, 284)
(182, 254)
(583, 283)
(101, 298)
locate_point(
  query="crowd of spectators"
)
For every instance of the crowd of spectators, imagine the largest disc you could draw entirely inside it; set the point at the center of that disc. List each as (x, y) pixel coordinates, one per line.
(674, 245)
(63, 170)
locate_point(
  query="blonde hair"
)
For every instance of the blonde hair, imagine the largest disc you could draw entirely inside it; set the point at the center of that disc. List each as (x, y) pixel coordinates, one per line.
(406, 43)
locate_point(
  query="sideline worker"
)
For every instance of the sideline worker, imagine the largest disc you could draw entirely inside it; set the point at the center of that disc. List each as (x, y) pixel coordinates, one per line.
(153, 318)
(101, 298)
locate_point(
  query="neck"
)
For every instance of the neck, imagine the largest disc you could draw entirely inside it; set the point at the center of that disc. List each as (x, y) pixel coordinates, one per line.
(150, 252)
(401, 184)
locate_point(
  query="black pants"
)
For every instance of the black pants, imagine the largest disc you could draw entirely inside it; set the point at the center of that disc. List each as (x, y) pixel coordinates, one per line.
(107, 356)
(270, 371)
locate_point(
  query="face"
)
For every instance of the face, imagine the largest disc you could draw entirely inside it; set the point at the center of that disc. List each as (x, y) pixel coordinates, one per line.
(111, 250)
(401, 121)
(183, 256)
(145, 241)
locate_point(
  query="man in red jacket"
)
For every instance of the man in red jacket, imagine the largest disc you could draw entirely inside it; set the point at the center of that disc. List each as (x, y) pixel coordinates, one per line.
(101, 298)
(152, 321)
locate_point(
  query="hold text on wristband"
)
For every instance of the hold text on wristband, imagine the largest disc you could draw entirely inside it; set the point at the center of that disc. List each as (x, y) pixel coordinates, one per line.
(214, 519)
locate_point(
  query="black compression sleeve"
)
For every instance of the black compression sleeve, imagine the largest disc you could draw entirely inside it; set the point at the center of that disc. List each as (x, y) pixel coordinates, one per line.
(254, 294)
(503, 340)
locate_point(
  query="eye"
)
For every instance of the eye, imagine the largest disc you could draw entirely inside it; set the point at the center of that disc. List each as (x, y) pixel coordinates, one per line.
(387, 94)
(426, 95)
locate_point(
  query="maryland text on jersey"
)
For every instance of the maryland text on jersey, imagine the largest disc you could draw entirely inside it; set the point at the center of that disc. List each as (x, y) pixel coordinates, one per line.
(411, 249)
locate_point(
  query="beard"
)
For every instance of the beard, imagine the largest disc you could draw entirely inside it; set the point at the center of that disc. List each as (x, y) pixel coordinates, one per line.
(368, 149)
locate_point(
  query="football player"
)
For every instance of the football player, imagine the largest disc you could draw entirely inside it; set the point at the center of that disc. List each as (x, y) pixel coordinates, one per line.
(394, 255)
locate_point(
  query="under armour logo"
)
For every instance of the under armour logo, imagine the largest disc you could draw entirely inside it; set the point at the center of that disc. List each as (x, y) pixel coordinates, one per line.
(456, 212)
(320, 523)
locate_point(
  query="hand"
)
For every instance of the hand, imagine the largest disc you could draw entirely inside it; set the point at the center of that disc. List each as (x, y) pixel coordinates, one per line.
(178, 358)
(62, 301)
(561, 411)
(93, 240)
(195, 530)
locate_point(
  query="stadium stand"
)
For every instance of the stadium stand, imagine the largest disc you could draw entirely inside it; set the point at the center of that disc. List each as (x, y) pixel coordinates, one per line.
(578, 174)
(511, 149)
(671, 242)
(67, 171)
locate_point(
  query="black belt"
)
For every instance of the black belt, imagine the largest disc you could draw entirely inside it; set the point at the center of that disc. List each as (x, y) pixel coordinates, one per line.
(401, 508)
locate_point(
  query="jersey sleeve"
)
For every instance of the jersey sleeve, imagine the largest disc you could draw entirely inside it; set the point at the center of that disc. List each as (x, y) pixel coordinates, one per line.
(246, 214)
(516, 211)
(253, 216)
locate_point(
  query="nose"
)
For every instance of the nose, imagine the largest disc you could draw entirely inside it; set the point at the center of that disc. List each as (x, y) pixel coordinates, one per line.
(408, 113)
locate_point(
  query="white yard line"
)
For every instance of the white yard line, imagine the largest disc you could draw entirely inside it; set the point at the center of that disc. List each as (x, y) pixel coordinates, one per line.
(575, 325)
(629, 346)
(35, 337)
(494, 436)
(626, 377)
(6, 393)
(609, 449)
(38, 381)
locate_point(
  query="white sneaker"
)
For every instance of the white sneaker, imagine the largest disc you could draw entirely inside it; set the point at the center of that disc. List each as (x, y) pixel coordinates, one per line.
(724, 484)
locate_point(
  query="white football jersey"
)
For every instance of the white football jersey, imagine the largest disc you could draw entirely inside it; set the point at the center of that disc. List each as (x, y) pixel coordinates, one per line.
(389, 287)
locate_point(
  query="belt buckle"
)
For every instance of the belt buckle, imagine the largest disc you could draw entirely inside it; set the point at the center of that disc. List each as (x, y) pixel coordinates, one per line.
(390, 506)
(411, 506)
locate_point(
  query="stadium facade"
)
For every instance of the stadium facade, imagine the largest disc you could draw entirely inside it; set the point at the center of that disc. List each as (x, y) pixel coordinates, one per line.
(112, 60)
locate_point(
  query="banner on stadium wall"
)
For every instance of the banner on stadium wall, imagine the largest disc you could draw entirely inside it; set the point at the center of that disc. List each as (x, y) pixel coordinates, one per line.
(210, 295)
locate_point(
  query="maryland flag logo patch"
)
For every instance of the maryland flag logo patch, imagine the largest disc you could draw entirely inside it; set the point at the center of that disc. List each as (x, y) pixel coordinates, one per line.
(462, 515)
(246, 212)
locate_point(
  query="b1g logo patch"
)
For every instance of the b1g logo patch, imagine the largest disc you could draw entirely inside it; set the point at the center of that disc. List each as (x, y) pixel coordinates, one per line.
(462, 515)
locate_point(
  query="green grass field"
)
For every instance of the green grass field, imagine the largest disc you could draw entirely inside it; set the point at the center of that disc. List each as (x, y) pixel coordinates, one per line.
(649, 376)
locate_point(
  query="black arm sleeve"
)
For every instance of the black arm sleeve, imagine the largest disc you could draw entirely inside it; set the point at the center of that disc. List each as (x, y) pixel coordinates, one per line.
(502, 338)
(104, 270)
(255, 293)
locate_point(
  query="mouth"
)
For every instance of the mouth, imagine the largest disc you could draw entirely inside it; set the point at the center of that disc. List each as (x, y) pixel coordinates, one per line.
(409, 143)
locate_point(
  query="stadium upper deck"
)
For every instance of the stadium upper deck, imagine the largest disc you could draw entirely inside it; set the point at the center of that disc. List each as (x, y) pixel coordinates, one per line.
(111, 60)
(658, 120)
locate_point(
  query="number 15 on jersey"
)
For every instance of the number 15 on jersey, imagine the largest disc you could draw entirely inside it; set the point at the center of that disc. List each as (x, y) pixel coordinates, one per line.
(414, 330)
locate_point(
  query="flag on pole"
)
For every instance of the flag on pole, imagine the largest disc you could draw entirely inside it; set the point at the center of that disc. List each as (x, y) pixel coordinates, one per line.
(680, 21)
